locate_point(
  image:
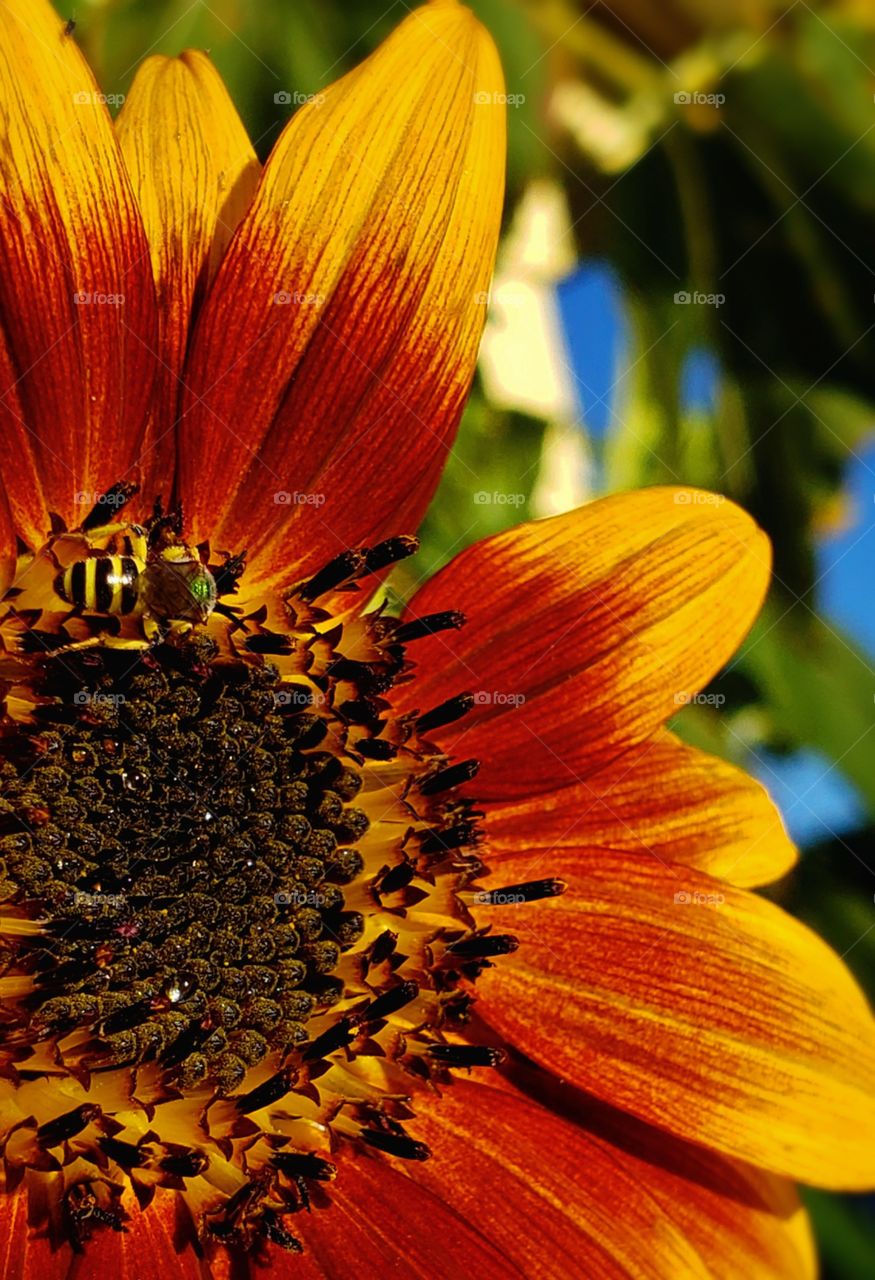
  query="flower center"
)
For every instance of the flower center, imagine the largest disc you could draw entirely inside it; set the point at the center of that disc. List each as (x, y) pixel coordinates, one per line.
(235, 893)
(186, 842)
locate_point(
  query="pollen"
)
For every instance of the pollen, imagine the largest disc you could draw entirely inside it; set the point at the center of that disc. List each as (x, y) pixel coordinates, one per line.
(235, 908)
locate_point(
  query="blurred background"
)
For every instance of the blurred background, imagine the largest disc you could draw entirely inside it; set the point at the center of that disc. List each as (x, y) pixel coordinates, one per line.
(685, 293)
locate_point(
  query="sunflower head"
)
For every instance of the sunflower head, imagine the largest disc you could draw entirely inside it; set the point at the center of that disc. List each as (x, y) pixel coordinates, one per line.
(268, 847)
(236, 927)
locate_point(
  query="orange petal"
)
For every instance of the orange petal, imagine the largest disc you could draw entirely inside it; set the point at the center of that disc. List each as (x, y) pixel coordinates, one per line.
(739, 1220)
(586, 631)
(700, 1008)
(194, 172)
(76, 292)
(347, 312)
(380, 1223)
(661, 798)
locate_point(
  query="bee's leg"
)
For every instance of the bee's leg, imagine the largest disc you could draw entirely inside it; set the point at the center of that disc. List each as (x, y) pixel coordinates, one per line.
(139, 541)
(104, 642)
(175, 631)
(90, 643)
(113, 500)
(164, 526)
(46, 643)
(97, 532)
(152, 629)
(133, 534)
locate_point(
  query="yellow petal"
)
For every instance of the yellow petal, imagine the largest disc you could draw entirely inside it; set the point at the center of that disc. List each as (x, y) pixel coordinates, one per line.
(193, 172)
(348, 310)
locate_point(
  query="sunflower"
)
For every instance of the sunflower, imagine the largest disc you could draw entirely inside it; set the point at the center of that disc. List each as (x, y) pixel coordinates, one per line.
(261, 993)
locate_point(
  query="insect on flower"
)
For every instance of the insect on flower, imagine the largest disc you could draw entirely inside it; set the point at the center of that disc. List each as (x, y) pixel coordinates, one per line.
(147, 571)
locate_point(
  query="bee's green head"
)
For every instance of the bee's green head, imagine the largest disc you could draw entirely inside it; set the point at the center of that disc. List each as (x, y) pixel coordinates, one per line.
(203, 590)
(180, 589)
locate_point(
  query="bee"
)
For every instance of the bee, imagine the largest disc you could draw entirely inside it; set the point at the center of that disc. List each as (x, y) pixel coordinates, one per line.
(146, 572)
(164, 583)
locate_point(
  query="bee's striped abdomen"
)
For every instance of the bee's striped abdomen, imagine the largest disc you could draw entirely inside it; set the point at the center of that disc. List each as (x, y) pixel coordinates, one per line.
(103, 584)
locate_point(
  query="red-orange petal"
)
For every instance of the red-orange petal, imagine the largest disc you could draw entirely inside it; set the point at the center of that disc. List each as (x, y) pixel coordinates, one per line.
(21, 1254)
(662, 799)
(22, 483)
(587, 631)
(7, 544)
(560, 1202)
(703, 1009)
(381, 1223)
(194, 173)
(647, 1203)
(334, 353)
(152, 1244)
(76, 293)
